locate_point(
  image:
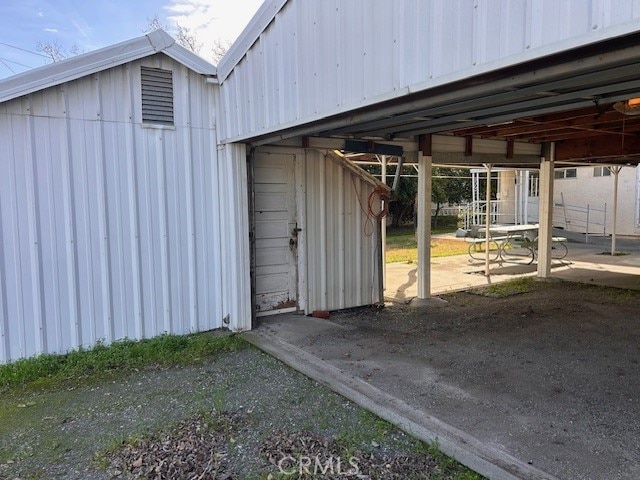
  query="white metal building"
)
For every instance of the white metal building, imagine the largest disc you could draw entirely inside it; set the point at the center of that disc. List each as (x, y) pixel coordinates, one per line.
(122, 217)
(583, 199)
(113, 221)
(226, 193)
(479, 83)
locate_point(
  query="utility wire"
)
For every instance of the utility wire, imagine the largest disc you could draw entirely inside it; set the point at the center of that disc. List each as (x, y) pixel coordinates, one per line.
(23, 49)
(17, 63)
(7, 65)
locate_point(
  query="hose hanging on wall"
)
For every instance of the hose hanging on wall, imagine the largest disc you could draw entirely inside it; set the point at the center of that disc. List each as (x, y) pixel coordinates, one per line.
(381, 193)
(384, 201)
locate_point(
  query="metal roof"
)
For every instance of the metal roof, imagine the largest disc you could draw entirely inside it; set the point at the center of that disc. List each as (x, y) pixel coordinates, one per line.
(571, 93)
(258, 24)
(98, 60)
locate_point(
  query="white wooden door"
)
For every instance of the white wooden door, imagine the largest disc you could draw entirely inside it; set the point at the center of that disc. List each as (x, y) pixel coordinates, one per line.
(275, 233)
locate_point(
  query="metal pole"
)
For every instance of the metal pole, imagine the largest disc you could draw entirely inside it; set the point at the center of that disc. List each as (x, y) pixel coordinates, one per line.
(383, 228)
(615, 171)
(527, 195)
(516, 206)
(604, 225)
(545, 215)
(586, 235)
(424, 225)
(487, 222)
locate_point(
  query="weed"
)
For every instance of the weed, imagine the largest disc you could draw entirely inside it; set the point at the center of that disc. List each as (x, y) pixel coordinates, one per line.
(507, 289)
(371, 430)
(616, 254)
(449, 467)
(120, 356)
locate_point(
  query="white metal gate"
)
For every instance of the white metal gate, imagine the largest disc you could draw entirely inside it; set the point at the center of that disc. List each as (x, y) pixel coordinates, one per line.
(275, 233)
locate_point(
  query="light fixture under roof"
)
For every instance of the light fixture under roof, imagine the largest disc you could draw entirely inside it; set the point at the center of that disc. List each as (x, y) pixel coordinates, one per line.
(628, 107)
(500, 124)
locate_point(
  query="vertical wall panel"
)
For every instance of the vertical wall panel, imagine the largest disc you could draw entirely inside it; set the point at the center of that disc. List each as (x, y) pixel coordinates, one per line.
(110, 229)
(319, 58)
(234, 215)
(340, 241)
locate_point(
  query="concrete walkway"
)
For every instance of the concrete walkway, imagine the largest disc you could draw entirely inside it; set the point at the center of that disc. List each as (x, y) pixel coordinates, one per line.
(547, 409)
(585, 263)
(279, 336)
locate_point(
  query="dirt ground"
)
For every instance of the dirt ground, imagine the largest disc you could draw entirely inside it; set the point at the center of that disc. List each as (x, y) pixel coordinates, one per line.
(232, 416)
(551, 376)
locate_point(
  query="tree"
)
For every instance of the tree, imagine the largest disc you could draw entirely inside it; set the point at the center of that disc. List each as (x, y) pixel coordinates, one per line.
(55, 51)
(184, 36)
(154, 24)
(188, 38)
(219, 49)
(401, 206)
(449, 185)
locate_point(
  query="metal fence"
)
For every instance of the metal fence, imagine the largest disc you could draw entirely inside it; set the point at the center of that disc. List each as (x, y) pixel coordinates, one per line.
(475, 213)
(587, 219)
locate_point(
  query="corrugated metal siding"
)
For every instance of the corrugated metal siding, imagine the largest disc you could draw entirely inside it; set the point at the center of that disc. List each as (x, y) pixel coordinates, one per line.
(342, 245)
(234, 235)
(324, 57)
(109, 229)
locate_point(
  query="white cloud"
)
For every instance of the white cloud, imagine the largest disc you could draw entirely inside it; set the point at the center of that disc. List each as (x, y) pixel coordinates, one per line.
(50, 30)
(212, 20)
(40, 13)
(83, 28)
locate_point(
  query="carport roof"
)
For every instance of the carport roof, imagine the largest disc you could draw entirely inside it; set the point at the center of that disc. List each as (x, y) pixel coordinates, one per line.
(566, 98)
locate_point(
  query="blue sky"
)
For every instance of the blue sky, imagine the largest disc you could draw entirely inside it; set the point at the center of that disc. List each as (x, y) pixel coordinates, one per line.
(93, 24)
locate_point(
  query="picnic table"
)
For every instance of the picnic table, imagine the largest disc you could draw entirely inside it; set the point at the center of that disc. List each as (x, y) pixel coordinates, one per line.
(513, 243)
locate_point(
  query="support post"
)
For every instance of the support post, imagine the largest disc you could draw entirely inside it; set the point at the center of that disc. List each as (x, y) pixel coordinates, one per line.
(424, 225)
(527, 195)
(545, 233)
(383, 228)
(586, 235)
(487, 223)
(615, 171)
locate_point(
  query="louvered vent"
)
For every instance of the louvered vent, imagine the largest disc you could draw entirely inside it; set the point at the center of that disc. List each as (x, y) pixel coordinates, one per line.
(157, 96)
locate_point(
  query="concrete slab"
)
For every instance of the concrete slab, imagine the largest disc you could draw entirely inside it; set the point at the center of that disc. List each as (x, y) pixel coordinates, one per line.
(546, 389)
(584, 263)
(489, 461)
(540, 387)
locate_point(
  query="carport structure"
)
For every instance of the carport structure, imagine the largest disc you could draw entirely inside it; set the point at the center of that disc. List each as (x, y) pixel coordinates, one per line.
(494, 84)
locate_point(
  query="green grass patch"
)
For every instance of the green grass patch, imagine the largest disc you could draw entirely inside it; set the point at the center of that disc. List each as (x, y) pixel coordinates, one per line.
(402, 246)
(446, 224)
(120, 356)
(508, 289)
(617, 254)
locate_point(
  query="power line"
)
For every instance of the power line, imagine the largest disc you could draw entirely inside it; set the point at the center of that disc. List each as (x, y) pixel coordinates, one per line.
(17, 63)
(7, 65)
(23, 49)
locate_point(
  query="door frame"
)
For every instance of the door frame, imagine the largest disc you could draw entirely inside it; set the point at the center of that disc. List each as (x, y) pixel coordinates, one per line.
(299, 173)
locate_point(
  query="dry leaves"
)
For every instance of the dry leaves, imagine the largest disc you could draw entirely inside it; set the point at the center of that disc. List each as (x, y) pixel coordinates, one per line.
(194, 449)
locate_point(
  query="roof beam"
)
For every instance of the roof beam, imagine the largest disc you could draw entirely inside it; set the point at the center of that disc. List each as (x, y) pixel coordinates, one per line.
(525, 108)
(574, 82)
(530, 126)
(630, 132)
(600, 146)
(454, 158)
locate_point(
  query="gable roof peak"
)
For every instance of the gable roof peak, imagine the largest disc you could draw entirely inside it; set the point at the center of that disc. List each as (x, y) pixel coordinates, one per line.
(108, 57)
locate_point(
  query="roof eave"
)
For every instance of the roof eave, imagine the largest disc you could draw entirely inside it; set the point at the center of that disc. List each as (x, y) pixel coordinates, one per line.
(98, 60)
(258, 24)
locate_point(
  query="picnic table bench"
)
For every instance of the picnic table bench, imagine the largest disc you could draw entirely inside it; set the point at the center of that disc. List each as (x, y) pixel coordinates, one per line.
(512, 243)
